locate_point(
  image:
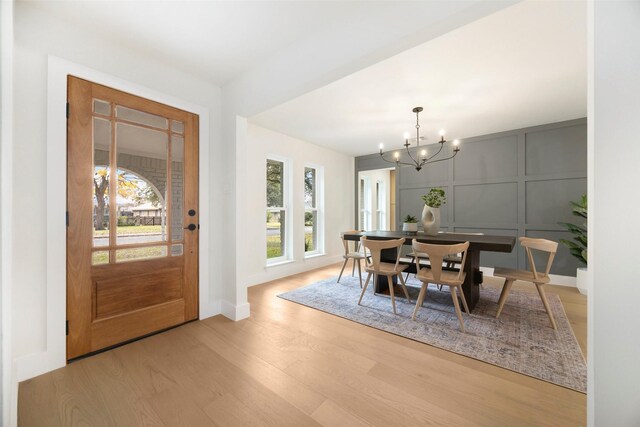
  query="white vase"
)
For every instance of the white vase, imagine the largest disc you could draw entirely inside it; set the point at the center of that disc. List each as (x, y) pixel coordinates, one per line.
(582, 280)
(410, 227)
(431, 220)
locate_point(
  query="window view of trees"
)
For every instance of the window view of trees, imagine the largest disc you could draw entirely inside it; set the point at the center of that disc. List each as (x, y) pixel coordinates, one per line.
(131, 190)
(276, 210)
(310, 210)
(140, 214)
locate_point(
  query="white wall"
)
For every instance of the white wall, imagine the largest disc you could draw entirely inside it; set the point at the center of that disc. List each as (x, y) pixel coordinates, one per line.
(338, 203)
(614, 206)
(36, 37)
(316, 60)
(6, 145)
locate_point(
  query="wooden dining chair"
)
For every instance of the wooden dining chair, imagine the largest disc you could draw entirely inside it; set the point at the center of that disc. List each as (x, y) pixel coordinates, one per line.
(532, 275)
(450, 261)
(375, 267)
(436, 275)
(356, 255)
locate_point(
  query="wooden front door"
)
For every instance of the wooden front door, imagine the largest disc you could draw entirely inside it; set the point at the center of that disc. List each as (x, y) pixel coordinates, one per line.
(132, 200)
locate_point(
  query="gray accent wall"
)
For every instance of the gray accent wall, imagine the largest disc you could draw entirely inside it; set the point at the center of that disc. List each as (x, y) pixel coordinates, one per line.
(513, 183)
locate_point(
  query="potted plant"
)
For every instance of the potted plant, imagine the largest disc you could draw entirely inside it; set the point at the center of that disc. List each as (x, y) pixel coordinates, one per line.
(578, 246)
(431, 211)
(410, 225)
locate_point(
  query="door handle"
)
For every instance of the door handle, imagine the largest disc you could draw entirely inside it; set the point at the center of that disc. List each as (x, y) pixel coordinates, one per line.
(190, 227)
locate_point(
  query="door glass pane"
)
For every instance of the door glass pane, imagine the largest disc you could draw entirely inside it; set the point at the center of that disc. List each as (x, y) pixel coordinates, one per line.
(275, 233)
(176, 250)
(101, 142)
(275, 183)
(310, 231)
(141, 117)
(177, 127)
(100, 257)
(101, 107)
(177, 187)
(142, 184)
(123, 255)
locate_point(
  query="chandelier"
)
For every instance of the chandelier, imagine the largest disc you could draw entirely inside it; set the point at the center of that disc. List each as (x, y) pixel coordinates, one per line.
(422, 156)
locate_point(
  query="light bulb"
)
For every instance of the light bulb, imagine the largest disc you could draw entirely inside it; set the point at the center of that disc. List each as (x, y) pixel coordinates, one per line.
(424, 153)
(396, 155)
(406, 135)
(381, 146)
(441, 132)
(456, 142)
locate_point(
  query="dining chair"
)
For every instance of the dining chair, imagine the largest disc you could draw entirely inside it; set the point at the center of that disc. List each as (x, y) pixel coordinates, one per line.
(436, 275)
(356, 255)
(450, 261)
(532, 275)
(375, 267)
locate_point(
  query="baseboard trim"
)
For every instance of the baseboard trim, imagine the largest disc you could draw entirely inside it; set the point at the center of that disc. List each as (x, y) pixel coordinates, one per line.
(32, 365)
(289, 269)
(556, 279)
(209, 310)
(235, 312)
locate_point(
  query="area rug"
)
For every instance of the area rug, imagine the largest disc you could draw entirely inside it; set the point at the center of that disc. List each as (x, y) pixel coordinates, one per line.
(521, 340)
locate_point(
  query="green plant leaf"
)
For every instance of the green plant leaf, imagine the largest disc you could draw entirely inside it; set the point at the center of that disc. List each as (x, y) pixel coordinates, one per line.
(578, 247)
(436, 198)
(571, 245)
(582, 240)
(410, 219)
(573, 228)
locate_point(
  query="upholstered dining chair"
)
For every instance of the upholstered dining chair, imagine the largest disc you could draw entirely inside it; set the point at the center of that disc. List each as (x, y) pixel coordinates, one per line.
(533, 275)
(355, 255)
(436, 275)
(375, 267)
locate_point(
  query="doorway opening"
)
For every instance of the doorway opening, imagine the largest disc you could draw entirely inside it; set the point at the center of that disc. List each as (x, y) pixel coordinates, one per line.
(377, 199)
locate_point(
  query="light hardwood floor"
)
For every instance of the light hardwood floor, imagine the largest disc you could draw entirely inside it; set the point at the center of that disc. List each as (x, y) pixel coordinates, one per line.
(288, 365)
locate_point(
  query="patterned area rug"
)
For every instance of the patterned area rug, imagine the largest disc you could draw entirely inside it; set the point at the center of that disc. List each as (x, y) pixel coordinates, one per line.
(521, 340)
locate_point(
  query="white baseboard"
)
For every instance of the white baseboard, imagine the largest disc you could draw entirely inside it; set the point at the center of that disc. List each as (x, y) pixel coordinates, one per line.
(556, 279)
(13, 410)
(209, 310)
(32, 365)
(235, 312)
(276, 272)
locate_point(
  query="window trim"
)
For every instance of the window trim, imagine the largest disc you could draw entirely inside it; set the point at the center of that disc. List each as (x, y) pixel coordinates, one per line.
(319, 208)
(381, 211)
(366, 217)
(286, 201)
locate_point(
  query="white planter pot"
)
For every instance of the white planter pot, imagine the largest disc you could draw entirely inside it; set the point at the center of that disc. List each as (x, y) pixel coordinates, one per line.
(582, 280)
(431, 220)
(410, 227)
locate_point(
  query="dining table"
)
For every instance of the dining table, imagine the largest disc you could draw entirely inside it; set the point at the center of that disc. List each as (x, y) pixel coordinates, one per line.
(477, 244)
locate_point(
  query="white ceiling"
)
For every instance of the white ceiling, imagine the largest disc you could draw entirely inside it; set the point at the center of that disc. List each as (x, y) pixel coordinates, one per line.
(219, 40)
(522, 66)
(214, 40)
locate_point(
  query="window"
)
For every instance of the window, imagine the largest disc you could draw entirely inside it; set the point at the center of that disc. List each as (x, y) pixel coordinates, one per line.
(313, 217)
(365, 204)
(381, 211)
(277, 217)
